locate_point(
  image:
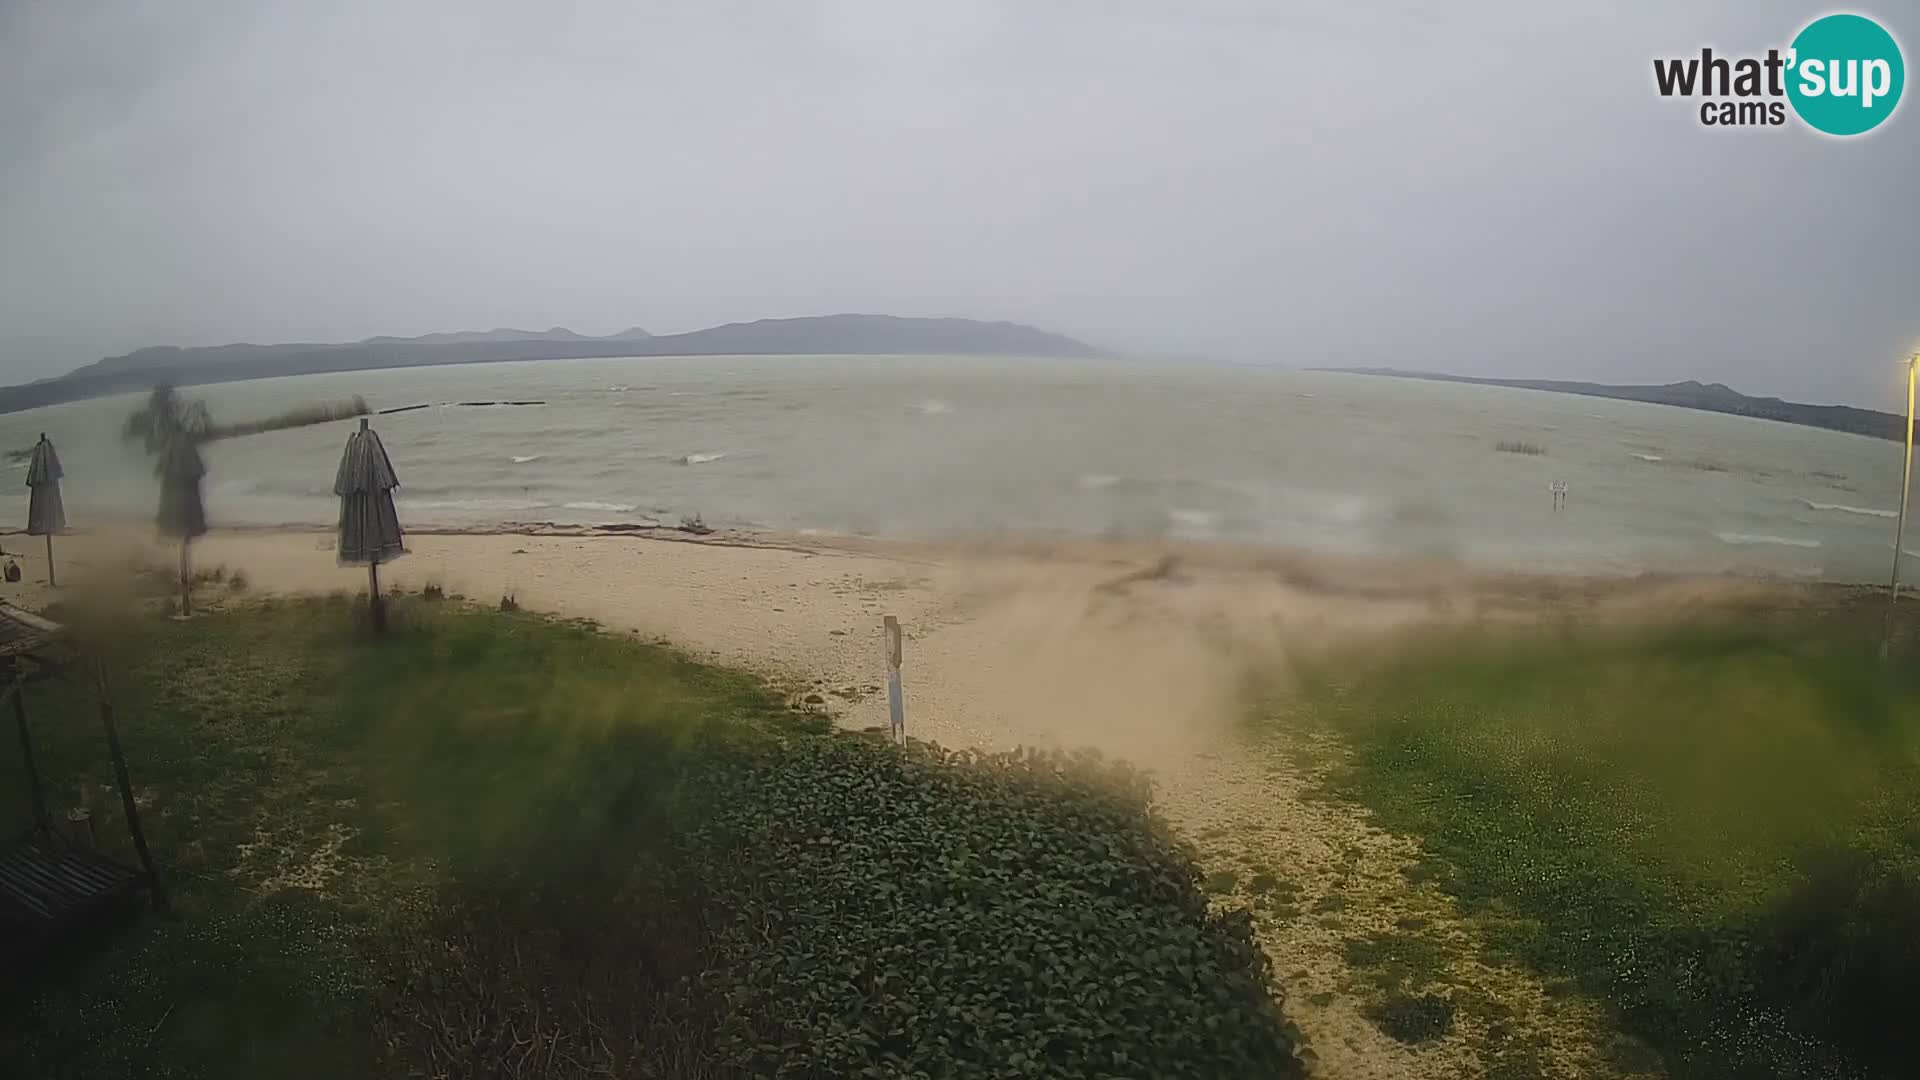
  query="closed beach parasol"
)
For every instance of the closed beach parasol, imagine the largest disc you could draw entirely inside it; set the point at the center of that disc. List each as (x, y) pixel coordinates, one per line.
(45, 515)
(183, 513)
(369, 528)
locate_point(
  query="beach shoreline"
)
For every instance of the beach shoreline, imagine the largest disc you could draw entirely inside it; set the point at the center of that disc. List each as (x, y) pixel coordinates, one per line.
(1134, 647)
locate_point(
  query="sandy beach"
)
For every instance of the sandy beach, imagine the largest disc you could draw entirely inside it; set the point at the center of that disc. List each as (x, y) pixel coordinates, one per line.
(1136, 649)
(1141, 651)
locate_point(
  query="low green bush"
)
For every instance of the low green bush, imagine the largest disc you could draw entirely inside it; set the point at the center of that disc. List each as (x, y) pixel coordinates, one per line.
(924, 913)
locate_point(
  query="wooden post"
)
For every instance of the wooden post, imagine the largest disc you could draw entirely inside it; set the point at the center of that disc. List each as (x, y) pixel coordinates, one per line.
(896, 706)
(50, 581)
(1900, 530)
(126, 792)
(35, 791)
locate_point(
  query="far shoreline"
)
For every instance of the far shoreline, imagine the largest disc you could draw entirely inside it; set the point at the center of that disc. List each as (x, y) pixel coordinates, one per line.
(1368, 573)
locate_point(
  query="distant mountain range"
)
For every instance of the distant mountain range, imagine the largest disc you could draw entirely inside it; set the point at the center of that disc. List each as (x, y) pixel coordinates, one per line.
(823, 334)
(467, 337)
(1710, 397)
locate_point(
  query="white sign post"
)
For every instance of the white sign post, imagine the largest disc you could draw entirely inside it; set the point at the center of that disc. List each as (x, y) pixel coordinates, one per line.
(896, 707)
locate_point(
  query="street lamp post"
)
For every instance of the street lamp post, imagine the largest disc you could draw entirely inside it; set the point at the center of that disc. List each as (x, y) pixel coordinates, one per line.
(1900, 530)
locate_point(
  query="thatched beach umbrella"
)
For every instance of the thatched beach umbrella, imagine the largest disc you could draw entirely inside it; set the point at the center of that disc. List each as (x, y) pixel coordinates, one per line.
(369, 528)
(45, 514)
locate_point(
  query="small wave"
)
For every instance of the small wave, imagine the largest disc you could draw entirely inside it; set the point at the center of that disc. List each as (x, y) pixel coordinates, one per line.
(618, 389)
(1759, 538)
(489, 506)
(1840, 508)
(520, 460)
(933, 407)
(1649, 457)
(1193, 521)
(701, 459)
(1302, 505)
(1098, 481)
(611, 508)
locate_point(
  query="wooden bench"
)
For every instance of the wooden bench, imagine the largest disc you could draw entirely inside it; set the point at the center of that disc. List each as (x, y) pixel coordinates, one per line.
(47, 883)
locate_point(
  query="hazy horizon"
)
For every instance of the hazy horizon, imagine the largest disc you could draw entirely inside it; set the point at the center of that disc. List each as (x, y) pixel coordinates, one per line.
(1495, 192)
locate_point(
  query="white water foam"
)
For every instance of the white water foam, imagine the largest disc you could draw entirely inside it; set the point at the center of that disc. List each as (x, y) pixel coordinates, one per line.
(519, 460)
(933, 407)
(1340, 508)
(611, 508)
(1193, 522)
(1756, 538)
(1840, 508)
(1649, 457)
(1098, 481)
(701, 459)
(476, 506)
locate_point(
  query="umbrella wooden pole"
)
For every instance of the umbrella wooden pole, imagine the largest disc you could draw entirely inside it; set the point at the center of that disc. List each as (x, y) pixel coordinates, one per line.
(50, 580)
(186, 575)
(373, 595)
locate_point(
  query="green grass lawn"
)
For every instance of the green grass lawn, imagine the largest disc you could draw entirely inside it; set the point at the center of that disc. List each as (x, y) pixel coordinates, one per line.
(495, 845)
(1712, 828)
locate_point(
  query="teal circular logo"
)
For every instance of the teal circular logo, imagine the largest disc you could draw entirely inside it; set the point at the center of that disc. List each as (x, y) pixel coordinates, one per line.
(1845, 74)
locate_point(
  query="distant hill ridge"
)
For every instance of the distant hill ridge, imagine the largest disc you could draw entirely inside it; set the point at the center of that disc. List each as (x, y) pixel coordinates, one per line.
(1708, 397)
(821, 334)
(505, 333)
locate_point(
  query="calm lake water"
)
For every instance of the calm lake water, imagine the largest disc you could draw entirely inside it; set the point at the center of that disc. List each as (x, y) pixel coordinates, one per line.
(939, 446)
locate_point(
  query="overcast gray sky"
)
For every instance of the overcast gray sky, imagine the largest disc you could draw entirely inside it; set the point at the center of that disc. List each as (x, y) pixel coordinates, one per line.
(1488, 188)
